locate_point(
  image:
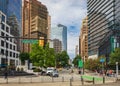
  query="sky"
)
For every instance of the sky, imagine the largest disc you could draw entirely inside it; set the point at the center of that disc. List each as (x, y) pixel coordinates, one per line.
(69, 13)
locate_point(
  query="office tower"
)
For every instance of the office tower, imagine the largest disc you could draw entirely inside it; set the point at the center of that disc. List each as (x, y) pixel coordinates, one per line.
(104, 27)
(9, 53)
(83, 40)
(3, 6)
(60, 32)
(57, 45)
(34, 22)
(12, 10)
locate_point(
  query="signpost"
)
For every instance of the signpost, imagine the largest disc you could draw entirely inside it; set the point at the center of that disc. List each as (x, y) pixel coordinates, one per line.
(31, 41)
(102, 60)
(80, 64)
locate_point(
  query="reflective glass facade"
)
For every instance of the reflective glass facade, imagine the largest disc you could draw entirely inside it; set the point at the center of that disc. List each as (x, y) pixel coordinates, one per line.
(103, 16)
(15, 8)
(60, 33)
(3, 6)
(12, 7)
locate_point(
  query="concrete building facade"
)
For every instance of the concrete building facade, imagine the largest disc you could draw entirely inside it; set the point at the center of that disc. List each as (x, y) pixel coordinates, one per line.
(34, 22)
(8, 47)
(83, 40)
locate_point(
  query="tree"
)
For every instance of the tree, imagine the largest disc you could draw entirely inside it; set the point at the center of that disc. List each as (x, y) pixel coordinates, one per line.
(76, 59)
(37, 55)
(24, 56)
(92, 64)
(62, 59)
(115, 56)
(49, 56)
(42, 56)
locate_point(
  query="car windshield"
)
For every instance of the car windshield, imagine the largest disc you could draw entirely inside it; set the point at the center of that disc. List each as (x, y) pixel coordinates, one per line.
(49, 69)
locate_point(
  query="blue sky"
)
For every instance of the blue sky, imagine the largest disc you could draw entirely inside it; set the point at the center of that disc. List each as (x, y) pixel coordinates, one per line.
(69, 13)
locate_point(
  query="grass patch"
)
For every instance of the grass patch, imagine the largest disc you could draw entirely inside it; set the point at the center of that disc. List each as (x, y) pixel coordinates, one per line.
(91, 78)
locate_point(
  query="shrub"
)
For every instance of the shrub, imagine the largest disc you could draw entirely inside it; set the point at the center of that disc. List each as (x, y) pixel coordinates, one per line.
(36, 70)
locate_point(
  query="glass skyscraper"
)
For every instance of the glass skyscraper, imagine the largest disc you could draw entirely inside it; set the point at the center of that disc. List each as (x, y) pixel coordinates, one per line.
(103, 27)
(3, 6)
(60, 32)
(15, 8)
(12, 7)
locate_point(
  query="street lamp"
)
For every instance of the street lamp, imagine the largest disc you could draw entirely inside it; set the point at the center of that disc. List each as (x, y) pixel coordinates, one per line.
(117, 70)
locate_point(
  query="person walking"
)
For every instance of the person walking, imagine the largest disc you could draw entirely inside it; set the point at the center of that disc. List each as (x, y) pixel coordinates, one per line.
(5, 74)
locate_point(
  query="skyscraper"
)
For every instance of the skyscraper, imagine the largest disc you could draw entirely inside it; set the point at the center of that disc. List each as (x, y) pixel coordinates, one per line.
(103, 27)
(12, 10)
(3, 6)
(57, 45)
(34, 21)
(83, 40)
(60, 32)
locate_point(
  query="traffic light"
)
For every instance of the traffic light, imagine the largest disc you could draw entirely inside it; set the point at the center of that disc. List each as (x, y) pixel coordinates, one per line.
(41, 42)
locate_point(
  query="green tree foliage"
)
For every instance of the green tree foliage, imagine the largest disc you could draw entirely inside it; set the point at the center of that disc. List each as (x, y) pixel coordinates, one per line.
(24, 56)
(92, 64)
(41, 56)
(76, 59)
(115, 56)
(62, 59)
(37, 55)
(49, 56)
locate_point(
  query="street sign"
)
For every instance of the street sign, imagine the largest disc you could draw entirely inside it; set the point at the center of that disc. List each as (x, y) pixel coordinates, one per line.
(80, 63)
(31, 41)
(102, 60)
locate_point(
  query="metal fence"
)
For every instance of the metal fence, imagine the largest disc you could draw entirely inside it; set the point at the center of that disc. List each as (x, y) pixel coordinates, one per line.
(73, 81)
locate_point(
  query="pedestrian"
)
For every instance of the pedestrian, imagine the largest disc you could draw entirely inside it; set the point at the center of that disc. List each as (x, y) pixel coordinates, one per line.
(5, 74)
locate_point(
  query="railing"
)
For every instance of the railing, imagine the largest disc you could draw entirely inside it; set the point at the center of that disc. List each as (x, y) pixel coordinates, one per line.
(70, 80)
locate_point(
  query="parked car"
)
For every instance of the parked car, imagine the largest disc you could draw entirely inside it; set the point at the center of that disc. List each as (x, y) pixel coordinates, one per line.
(54, 73)
(50, 70)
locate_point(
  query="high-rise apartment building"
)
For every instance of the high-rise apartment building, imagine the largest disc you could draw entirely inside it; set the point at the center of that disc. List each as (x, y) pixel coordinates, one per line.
(60, 32)
(103, 27)
(83, 40)
(34, 21)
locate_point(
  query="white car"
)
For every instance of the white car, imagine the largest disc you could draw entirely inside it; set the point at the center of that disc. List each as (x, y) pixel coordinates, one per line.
(50, 70)
(55, 73)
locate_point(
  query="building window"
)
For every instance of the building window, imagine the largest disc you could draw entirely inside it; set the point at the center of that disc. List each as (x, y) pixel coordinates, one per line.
(14, 48)
(7, 29)
(7, 53)
(13, 55)
(10, 46)
(10, 54)
(10, 39)
(2, 51)
(3, 18)
(7, 37)
(2, 34)
(6, 45)
(2, 43)
(3, 26)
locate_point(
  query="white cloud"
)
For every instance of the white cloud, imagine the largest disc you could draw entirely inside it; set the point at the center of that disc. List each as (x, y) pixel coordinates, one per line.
(67, 12)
